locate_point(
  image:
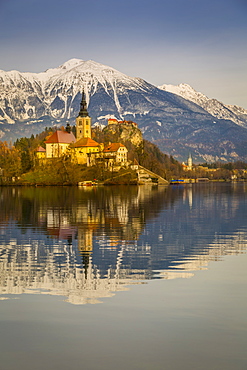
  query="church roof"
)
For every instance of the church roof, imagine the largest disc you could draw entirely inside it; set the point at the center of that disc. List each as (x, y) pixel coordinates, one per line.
(83, 111)
(113, 147)
(40, 149)
(62, 137)
(86, 142)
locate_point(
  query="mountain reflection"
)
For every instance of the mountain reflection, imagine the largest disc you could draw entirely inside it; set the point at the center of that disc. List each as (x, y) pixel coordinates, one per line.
(86, 244)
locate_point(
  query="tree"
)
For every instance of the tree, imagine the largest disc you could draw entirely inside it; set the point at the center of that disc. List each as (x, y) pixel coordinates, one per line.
(10, 161)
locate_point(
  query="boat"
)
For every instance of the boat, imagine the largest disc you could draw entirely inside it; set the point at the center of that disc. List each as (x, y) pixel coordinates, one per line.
(87, 183)
(178, 181)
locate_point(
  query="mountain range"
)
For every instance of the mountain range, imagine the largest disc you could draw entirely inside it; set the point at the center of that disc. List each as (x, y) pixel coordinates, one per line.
(178, 119)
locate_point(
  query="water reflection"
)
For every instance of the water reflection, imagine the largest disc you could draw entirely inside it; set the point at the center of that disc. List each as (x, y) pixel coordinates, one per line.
(86, 244)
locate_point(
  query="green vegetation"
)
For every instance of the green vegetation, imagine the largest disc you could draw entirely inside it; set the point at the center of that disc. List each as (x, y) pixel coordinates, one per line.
(122, 177)
(54, 172)
(223, 171)
(19, 164)
(146, 154)
(238, 165)
(10, 161)
(149, 156)
(63, 172)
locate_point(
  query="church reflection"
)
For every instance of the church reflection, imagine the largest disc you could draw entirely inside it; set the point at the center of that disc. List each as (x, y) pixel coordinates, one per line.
(87, 244)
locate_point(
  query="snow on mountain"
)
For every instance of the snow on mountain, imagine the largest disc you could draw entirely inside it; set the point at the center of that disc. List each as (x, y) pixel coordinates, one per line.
(212, 106)
(177, 118)
(56, 92)
(91, 77)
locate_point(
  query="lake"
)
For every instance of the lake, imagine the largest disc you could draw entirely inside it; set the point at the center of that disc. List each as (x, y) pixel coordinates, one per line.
(124, 277)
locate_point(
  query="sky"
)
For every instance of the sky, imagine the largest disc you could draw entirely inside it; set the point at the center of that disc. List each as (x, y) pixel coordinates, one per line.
(202, 43)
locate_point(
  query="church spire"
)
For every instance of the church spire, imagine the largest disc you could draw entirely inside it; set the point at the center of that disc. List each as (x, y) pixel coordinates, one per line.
(83, 120)
(83, 111)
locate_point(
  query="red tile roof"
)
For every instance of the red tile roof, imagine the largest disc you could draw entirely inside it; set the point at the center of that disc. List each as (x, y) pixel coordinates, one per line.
(61, 137)
(86, 142)
(40, 149)
(113, 119)
(113, 147)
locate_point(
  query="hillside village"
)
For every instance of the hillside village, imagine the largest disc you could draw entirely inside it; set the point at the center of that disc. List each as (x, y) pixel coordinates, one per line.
(83, 150)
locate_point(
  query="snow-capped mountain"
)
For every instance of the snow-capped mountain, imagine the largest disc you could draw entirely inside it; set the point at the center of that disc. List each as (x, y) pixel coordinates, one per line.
(57, 92)
(179, 125)
(212, 106)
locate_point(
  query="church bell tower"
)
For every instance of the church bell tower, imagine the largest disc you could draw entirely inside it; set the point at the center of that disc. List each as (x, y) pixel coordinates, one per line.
(83, 121)
(190, 164)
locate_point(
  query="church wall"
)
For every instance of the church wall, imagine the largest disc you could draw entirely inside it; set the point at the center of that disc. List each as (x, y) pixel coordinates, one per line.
(81, 154)
(55, 150)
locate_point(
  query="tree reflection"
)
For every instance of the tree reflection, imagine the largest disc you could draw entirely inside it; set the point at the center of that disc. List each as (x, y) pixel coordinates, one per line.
(86, 243)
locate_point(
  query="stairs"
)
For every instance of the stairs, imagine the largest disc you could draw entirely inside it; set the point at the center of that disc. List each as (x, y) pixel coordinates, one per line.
(146, 176)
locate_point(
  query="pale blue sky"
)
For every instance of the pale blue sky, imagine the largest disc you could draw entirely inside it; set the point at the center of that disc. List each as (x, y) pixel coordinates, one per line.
(200, 43)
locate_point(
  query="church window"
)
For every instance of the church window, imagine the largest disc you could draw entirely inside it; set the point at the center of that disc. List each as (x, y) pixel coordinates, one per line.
(80, 123)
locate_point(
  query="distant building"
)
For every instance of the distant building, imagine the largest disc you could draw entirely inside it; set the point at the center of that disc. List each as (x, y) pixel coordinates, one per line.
(113, 121)
(189, 163)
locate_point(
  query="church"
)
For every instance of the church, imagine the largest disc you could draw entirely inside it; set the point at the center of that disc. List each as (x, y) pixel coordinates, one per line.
(82, 148)
(84, 145)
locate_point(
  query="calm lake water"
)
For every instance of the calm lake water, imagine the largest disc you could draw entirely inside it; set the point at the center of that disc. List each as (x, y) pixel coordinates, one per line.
(123, 277)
